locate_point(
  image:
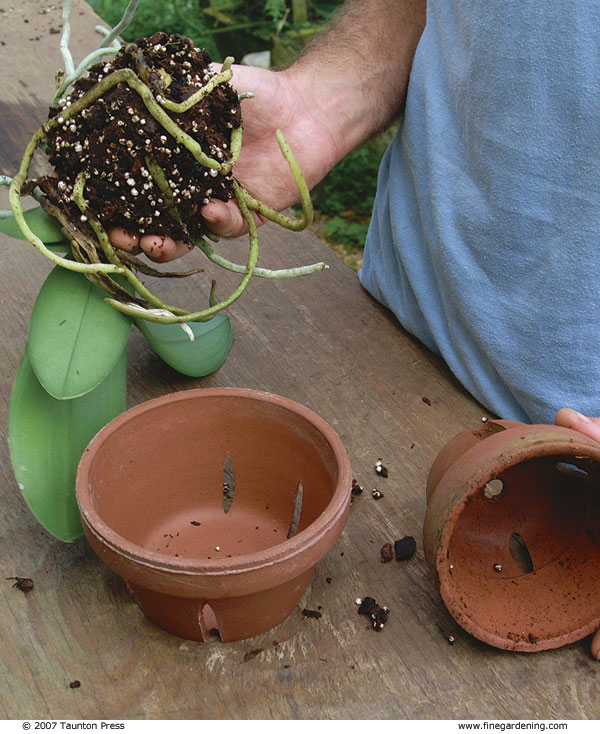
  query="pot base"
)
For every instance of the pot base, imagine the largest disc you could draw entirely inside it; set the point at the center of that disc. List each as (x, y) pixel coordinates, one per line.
(228, 619)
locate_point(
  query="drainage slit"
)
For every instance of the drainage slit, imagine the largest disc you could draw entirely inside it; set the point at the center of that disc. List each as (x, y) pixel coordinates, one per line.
(228, 484)
(208, 623)
(520, 553)
(571, 470)
(297, 511)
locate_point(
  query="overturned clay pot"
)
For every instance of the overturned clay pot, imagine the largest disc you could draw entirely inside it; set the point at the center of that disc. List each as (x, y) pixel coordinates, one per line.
(512, 533)
(215, 506)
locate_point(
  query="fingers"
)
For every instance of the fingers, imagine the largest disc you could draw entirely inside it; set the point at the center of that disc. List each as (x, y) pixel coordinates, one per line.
(124, 240)
(224, 218)
(163, 249)
(568, 418)
(159, 248)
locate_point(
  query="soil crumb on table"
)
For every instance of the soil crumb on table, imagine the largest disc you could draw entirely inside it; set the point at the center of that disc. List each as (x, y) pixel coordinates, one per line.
(22, 583)
(377, 614)
(405, 548)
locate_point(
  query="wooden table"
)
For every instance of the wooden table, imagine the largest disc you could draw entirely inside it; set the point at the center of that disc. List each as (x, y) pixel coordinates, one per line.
(324, 342)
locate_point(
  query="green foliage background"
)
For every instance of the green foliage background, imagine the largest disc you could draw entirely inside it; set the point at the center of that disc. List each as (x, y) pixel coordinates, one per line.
(227, 27)
(344, 200)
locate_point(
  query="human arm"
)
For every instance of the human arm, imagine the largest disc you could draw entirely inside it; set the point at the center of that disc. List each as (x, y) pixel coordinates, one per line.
(568, 418)
(349, 84)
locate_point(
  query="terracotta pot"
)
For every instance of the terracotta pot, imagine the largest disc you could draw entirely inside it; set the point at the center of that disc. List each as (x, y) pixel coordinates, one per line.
(512, 532)
(215, 505)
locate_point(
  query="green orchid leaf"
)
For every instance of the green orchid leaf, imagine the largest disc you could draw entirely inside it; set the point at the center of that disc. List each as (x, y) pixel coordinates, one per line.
(47, 438)
(46, 227)
(212, 343)
(75, 339)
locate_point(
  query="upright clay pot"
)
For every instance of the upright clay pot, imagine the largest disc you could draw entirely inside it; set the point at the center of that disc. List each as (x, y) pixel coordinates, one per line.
(215, 506)
(512, 533)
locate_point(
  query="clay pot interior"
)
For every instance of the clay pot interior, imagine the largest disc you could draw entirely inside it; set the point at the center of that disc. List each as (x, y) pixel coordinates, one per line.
(215, 506)
(516, 546)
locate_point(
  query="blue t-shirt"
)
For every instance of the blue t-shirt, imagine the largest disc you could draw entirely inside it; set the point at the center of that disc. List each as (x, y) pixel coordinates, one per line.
(485, 236)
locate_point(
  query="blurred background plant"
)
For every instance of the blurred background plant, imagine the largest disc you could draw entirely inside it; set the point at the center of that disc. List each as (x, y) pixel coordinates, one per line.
(271, 33)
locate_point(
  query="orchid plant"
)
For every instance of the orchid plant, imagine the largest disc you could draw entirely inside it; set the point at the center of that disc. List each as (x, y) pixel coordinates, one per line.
(168, 132)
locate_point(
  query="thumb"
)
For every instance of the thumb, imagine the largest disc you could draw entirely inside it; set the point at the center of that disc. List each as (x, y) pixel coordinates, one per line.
(224, 218)
(569, 418)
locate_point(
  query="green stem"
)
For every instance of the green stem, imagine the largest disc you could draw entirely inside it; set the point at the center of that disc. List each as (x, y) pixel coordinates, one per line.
(258, 24)
(110, 253)
(122, 24)
(129, 77)
(207, 233)
(78, 189)
(274, 216)
(133, 262)
(109, 45)
(116, 44)
(299, 11)
(206, 314)
(160, 180)
(260, 272)
(14, 196)
(66, 37)
(83, 66)
(223, 76)
(235, 148)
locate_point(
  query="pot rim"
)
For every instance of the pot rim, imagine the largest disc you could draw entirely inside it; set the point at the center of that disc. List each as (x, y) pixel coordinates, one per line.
(272, 555)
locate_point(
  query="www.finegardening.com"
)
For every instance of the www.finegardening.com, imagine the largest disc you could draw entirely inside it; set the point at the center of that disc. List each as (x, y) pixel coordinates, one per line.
(510, 725)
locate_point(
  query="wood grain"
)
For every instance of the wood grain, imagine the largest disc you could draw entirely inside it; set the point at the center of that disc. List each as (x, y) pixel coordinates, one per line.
(325, 343)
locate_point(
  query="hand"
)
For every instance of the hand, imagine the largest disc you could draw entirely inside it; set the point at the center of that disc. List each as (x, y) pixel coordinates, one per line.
(569, 418)
(278, 102)
(348, 86)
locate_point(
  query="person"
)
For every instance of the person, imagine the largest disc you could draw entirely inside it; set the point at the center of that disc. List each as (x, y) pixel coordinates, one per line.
(483, 239)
